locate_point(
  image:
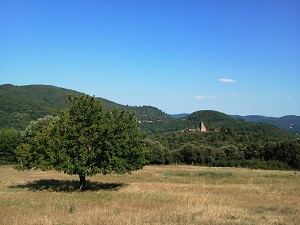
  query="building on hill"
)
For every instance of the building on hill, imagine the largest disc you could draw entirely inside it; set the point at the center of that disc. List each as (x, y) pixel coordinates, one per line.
(202, 127)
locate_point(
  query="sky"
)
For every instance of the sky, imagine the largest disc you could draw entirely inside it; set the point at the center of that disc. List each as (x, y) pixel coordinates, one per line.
(234, 56)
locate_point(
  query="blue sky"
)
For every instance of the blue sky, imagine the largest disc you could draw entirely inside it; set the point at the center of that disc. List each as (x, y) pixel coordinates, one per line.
(234, 56)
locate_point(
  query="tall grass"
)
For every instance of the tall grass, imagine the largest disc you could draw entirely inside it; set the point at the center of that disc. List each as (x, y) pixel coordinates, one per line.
(154, 195)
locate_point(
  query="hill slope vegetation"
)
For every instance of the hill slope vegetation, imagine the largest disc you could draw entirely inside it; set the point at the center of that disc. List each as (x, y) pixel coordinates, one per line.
(228, 141)
(21, 104)
(290, 123)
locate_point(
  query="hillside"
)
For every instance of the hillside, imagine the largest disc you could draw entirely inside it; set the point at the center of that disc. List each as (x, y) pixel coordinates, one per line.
(21, 104)
(228, 141)
(289, 123)
(217, 121)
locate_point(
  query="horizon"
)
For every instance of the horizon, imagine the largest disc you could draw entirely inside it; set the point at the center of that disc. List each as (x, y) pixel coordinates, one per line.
(171, 114)
(236, 57)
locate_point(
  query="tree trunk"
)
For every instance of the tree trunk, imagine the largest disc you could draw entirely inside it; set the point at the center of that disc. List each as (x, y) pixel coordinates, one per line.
(82, 182)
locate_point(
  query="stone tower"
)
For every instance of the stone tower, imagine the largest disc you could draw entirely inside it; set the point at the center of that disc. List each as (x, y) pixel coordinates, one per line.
(202, 127)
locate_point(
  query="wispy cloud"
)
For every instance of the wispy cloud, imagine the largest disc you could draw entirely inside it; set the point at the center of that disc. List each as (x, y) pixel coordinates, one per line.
(211, 96)
(235, 95)
(226, 80)
(201, 97)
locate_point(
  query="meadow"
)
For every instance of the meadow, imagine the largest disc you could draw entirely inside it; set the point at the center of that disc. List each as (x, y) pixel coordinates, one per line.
(155, 195)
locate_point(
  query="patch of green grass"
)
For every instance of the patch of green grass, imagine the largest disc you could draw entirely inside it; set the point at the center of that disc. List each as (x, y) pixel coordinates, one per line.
(72, 207)
(214, 174)
(173, 173)
(210, 174)
(274, 209)
(263, 209)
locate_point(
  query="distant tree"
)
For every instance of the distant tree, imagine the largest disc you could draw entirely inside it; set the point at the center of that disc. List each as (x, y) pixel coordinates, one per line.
(85, 140)
(158, 153)
(252, 151)
(10, 138)
(289, 152)
(269, 151)
(209, 155)
(232, 152)
(190, 153)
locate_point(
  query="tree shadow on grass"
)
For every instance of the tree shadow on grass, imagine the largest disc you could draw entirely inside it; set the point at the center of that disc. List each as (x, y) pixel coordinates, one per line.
(67, 185)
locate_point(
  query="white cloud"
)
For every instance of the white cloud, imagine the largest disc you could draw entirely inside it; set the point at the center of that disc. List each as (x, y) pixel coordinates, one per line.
(212, 96)
(226, 80)
(201, 97)
(235, 95)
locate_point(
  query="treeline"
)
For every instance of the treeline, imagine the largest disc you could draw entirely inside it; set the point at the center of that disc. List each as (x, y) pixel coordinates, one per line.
(228, 142)
(223, 149)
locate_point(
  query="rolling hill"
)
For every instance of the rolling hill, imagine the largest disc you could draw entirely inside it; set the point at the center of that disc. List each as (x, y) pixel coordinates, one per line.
(290, 123)
(21, 104)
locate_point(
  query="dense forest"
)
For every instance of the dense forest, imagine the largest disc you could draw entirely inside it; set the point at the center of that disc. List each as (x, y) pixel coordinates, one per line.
(228, 141)
(226, 148)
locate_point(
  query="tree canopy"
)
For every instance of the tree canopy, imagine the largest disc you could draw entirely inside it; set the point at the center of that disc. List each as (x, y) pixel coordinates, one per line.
(85, 139)
(10, 138)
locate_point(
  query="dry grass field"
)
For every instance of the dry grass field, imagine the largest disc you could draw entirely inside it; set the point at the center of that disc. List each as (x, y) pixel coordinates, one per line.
(154, 195)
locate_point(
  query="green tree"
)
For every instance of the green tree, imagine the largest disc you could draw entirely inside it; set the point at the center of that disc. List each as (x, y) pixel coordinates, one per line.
(253, 151)
(191, 154)
(158, 153)
(10, 138)
(289, 152)
(38, 125)
(85, 140)
(232, 152)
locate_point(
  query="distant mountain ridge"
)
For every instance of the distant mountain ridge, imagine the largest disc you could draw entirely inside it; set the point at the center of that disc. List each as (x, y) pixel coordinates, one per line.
(178, 116)
(21, 104)
(290, 123)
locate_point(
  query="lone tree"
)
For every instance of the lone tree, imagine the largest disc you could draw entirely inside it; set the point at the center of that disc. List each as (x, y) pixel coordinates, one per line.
(85, 139)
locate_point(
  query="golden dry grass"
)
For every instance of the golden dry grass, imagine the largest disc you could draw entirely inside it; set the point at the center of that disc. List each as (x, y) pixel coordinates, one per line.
(154, 195)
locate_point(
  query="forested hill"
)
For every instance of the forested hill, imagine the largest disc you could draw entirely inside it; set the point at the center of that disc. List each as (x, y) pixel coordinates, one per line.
(289, 123)
(21, 104)
(220, 122)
